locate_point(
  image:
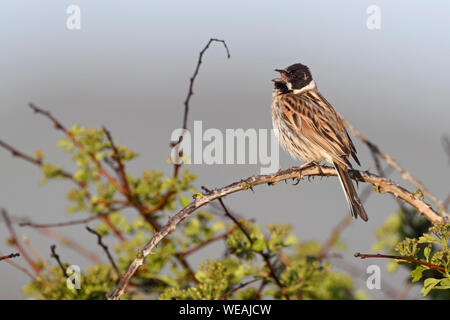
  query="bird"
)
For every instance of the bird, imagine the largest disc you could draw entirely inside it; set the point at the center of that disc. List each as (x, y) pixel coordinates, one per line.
(310, 129)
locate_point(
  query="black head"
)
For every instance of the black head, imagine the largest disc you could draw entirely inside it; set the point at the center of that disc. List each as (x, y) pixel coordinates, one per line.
(296, 76)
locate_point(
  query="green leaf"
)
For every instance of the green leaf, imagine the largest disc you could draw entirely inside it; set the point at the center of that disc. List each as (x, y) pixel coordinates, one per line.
(445, 284)
(427, 238)
(428, 285)
(416, 274)
(427, 252)
(258, 245)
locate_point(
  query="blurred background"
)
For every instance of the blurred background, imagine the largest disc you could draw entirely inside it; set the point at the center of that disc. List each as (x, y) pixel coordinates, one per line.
(128, 68)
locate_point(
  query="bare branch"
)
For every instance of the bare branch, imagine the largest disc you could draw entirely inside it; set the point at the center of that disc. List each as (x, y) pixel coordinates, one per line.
(242, 285)
(61, 224)
(429, 265)
(105, 248)
(191, 93)
(17, 244)
(382, 184)
(205, 243)
(38, 162)
(58, 260)
(405, 174)
(20, 268)
(75, 246)
(10, 256)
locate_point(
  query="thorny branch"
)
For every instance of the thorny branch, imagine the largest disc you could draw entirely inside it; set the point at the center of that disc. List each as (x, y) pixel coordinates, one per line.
(382, 184)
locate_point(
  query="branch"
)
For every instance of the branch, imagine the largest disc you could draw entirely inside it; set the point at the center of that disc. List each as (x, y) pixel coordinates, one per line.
(105, 248)
(38, 162)
(380, 183)
(264, 255)
(58, 126)
(56, 256)
(242, 285)
(65, 241)
(61, 224)
(205, 243)
(429, 265)
(12, 255)
(20, 268)
(120, 165)
(17, 244)
(405, 174)
(191, 93)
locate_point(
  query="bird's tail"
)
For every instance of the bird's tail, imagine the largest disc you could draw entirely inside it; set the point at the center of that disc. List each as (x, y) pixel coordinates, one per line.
(354, 203)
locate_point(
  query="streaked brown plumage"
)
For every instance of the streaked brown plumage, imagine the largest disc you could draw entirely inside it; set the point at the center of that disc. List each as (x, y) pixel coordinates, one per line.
(311, 130)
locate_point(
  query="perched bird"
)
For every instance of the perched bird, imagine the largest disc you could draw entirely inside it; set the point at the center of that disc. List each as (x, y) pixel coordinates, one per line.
(311, 130)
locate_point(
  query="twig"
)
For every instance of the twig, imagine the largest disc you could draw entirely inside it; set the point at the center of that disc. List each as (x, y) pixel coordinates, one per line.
(38, 162)
(191, 93)
(16, 242)
(105, 248)
(405, 174)
(231, 216)
(59, 126)
(56, 257)
(429, 265)
(120, 165)
(33, 250)
(12, 255)
(20, 268)
(63, 224)
(381, 183)
(388, 291)
(65, 241)
(242, 285)
(205, 243)
(264, 255)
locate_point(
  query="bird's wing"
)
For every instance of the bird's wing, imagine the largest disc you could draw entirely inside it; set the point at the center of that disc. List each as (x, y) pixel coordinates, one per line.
(314, 118)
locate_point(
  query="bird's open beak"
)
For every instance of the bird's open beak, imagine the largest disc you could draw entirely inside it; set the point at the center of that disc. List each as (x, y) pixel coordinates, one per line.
(277, 80)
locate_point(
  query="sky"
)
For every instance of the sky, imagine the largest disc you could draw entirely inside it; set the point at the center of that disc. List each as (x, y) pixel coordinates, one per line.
(128, 68)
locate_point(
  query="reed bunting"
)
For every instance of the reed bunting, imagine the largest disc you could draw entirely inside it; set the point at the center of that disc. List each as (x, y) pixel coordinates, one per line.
(311, 130)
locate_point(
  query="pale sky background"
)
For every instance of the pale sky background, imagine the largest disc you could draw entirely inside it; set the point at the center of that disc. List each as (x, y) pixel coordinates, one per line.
(128, 68)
